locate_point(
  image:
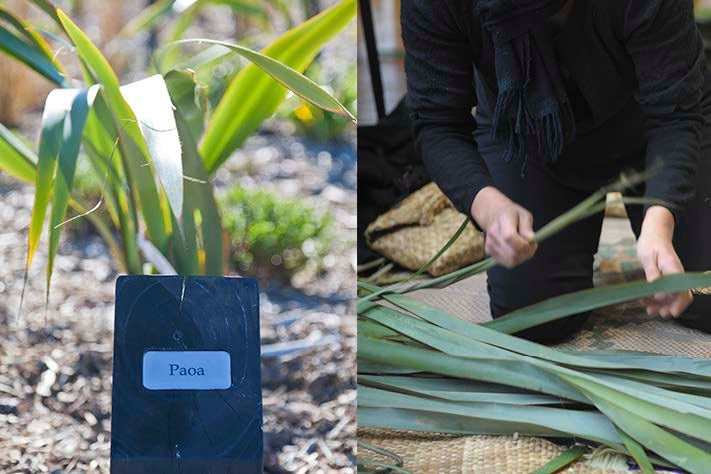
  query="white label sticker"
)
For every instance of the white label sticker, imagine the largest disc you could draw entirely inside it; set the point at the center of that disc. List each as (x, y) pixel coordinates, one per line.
(186, 370)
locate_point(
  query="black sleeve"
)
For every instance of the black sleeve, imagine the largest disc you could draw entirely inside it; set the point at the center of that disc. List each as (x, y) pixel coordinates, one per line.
(440, 83)
(667, 50)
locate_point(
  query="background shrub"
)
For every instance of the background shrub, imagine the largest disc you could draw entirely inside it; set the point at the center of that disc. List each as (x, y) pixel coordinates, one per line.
(270, 232)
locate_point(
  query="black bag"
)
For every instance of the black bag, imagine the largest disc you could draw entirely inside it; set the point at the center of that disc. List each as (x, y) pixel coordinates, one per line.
(389, 168)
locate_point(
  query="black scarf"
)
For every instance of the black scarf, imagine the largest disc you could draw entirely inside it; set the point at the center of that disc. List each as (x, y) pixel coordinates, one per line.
(533, 113)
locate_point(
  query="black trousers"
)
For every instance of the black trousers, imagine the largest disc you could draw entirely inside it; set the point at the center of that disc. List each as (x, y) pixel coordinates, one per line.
(564, 263)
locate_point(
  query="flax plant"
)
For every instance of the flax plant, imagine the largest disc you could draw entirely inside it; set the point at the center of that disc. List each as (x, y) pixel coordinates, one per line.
(152, 143)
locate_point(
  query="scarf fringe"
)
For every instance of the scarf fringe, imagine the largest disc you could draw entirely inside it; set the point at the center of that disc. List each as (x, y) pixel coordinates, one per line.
(548, 125)
(506, 126)
(515, 123)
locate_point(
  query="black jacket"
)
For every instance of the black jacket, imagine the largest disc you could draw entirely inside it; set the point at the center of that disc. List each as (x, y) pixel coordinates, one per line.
(638, 66)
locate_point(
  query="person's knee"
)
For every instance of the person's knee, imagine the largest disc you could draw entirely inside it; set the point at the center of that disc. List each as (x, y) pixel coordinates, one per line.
(555, 332)
(506, 296)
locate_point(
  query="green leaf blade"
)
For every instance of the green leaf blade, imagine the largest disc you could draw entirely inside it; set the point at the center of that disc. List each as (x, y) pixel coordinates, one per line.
(564, 459)
(457, 390)
(55, 111)
(637, 452)
(508, 372)
(654, 438)
(200, 198)
(30, 56)
(74, 122)
(131, 143)
(286, 76)
(150, 102)
(594, 298)
(16, 159)
(254, 96)
(415, 420)
(589, 425)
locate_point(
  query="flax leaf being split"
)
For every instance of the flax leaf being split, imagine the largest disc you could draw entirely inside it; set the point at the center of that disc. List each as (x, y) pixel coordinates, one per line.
(593, 204)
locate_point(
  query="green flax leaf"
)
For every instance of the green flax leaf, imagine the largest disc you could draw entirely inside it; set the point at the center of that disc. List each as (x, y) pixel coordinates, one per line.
(253, 95)
(150, 102)
(74, 122)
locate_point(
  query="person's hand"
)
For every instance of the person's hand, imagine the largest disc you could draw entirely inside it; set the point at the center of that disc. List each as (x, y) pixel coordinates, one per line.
(508, 227)
(658, 257)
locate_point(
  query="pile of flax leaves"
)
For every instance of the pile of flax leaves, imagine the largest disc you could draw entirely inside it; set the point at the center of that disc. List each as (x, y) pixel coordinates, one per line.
(422, 369)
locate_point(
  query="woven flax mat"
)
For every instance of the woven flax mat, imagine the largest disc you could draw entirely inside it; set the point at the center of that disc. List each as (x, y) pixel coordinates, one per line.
(624, 326)
(443, 454)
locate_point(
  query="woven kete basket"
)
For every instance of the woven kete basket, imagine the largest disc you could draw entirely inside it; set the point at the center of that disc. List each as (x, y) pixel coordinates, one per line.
(413, 232)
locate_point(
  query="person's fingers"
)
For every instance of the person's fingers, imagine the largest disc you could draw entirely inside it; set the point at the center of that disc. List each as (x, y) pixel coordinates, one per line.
(680, 303)
(491, 248)
(649, 263)
(491, 242)
(663, 298)
(531, 251)
(495, 249)
(674, 303)
(525, 224)
(522, 248)
(651, 273)
(502, 253)
(525, 229)
(515, 257)
(508, 223)
(505, 243)
(669, 264)
(656, 262)
(648, 301)
(504, 257)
